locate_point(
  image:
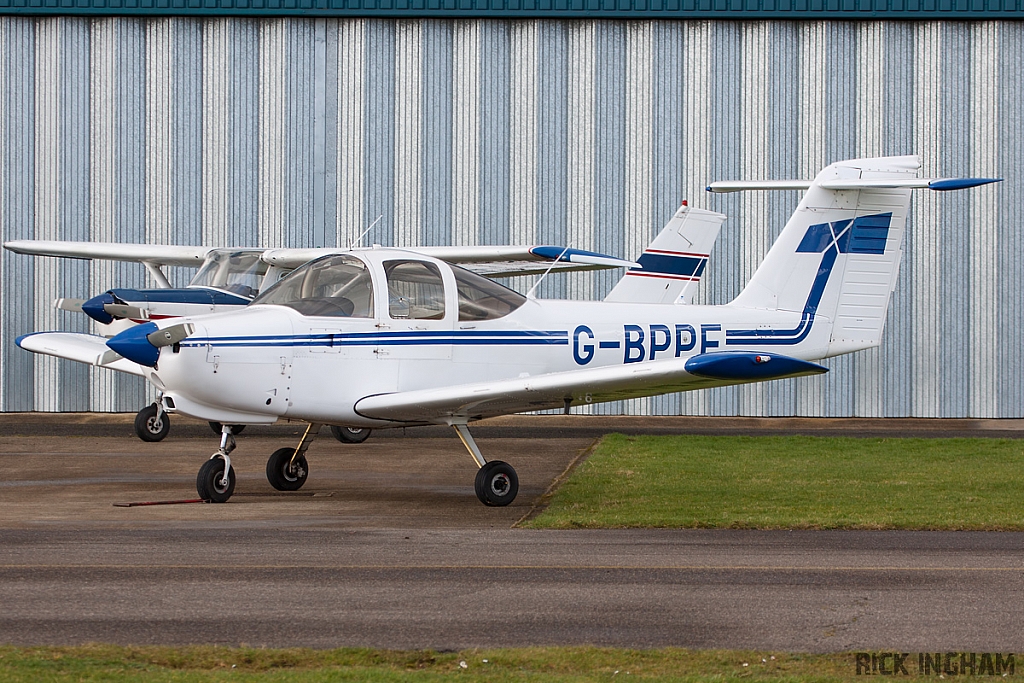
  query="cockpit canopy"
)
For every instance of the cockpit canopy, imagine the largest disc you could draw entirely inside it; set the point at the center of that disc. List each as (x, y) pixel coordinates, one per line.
(239, 272)
(330, 286)
(341, 286)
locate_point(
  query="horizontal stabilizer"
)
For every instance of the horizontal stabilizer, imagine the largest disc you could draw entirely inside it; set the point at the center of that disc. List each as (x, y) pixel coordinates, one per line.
(82, 348)
(740, 366)
(938, 184)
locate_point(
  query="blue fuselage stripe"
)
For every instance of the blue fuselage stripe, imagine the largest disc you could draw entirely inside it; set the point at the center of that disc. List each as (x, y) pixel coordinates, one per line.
(477, 338)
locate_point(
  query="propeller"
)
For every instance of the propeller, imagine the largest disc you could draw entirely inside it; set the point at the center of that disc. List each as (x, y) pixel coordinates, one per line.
(142, 343)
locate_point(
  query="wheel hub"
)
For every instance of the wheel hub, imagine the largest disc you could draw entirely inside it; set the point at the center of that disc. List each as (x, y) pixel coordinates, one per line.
(500, 484)
(220, 483)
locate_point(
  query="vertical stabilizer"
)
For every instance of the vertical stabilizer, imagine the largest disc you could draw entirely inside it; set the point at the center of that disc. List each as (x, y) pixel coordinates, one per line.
(673, 264)
(837, 259)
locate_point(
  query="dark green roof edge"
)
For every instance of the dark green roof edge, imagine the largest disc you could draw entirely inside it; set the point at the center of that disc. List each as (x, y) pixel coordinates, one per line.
(535, 9)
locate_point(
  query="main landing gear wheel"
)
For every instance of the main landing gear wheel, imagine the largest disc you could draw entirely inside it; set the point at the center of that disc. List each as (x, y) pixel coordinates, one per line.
(235, 429)
(350, 434)
(282, 474)
(210, 481)
(496, 483)
(152, 424)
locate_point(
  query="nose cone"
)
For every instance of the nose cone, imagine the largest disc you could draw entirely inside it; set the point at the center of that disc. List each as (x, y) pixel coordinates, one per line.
(94, 309)
(133, 344)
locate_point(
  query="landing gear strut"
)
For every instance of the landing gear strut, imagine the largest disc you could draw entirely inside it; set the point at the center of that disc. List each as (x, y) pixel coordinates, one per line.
(152, 423)
(216, 479)
(496, 482)
(287, 468)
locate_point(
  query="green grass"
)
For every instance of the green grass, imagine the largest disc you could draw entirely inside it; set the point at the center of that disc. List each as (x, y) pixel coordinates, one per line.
(793, 482)
(202, 663)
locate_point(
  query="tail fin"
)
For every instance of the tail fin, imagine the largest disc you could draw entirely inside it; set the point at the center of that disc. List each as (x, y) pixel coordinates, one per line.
(838, 256)
(674, 263)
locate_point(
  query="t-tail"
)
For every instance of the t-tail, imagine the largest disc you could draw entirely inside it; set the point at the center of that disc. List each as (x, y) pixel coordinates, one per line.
(673, 264)
(836, 261)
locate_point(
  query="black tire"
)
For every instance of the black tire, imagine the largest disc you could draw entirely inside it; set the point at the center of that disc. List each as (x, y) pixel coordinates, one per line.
(151, 424)
(350, 434)
(208, 481)
(278, 473)
(235, 429)
(497, 484)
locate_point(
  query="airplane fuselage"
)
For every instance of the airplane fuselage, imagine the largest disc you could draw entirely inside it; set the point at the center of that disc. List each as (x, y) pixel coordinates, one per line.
(270, 362)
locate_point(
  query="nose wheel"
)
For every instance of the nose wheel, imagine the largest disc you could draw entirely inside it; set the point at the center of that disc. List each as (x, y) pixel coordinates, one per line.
(152, 423)
(216, 479)
(211, 483)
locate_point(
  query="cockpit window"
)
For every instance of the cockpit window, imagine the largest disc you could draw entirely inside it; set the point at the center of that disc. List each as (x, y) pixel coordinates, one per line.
(415, 290)
(483, 299)
(239, 272)
(338, 286)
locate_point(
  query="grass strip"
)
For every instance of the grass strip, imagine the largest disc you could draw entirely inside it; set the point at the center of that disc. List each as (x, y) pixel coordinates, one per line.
(558, 664)
(793, 482)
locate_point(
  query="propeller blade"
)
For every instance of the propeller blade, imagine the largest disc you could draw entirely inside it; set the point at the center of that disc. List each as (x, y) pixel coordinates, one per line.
(125, 311)
(170, 335)
(73, 305)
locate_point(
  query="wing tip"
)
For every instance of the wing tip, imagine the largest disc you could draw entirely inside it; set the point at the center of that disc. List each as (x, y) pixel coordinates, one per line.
(948, 184)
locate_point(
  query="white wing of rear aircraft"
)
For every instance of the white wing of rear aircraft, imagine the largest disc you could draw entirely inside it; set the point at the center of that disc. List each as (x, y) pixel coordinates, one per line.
(491, 261)
(156, 254)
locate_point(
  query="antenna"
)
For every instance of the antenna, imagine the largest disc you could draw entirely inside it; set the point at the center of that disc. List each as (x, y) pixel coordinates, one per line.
(359, 239)
(529, 295)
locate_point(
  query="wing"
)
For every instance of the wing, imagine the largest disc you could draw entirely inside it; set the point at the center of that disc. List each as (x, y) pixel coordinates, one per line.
(83, 348)
(596, 385)
(155, 254)
(491, 261)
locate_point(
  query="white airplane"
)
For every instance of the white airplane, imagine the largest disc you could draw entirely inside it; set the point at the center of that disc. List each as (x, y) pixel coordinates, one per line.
(384, 337)
(228, 279)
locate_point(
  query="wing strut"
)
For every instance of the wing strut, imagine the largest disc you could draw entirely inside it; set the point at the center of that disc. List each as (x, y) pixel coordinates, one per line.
(470, 443)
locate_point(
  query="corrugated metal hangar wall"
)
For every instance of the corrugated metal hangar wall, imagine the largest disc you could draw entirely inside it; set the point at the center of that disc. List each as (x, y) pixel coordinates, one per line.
(295, 132)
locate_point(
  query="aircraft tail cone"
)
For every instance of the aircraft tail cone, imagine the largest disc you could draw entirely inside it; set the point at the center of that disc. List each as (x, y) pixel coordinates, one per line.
(94, 308)
(134, 344)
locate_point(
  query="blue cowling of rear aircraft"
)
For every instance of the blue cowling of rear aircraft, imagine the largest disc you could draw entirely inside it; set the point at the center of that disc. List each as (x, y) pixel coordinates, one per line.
(134, 344)
(94, 308)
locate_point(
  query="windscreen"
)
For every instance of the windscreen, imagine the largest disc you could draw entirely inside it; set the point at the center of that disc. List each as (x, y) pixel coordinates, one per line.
(239, 272)
(336, 286)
